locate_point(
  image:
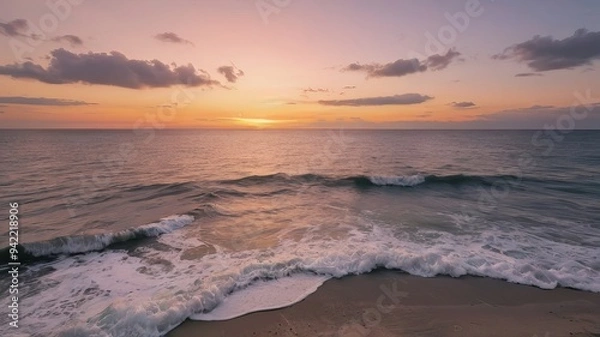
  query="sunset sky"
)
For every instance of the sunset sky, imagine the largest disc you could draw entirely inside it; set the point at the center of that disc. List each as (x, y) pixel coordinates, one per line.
(299, 63)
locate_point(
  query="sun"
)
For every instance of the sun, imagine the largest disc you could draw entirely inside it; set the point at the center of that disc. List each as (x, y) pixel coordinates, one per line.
(260, 122)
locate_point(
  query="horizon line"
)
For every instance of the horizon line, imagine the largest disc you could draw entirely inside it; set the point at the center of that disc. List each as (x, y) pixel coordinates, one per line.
(280, 129)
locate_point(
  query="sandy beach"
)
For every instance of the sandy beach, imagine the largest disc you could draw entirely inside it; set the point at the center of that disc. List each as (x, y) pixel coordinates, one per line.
(388, 303)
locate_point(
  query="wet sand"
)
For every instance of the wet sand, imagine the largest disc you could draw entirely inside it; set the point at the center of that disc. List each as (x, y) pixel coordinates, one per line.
(388, 303)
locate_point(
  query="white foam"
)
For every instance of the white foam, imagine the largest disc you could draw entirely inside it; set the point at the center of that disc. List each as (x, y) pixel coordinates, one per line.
(412, 180)
(115, 294)
(264, 295)
(89, 243)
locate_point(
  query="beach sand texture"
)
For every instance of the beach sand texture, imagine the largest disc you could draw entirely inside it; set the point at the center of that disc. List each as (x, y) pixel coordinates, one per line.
(388, 303)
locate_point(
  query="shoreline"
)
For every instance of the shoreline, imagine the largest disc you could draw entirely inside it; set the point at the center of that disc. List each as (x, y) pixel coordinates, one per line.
(392, 303)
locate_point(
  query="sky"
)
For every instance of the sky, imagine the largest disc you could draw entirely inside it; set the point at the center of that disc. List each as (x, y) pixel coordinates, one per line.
(428, 64)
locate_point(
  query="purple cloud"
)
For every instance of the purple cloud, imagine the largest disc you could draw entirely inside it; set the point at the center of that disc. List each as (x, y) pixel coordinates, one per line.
(14, 28)
(404, 67)
(528, 75)
(41, 101)
(73, 40)
(546, 53)
(463, 105)
(112, 68)
(404, 99)
(171, 38)
(231, 73)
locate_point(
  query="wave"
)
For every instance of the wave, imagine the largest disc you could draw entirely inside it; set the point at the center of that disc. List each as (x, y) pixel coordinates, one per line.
(374, 180)
(76, 244)
(282, 183)
(403, 181)
(137, 295)
(182, 186)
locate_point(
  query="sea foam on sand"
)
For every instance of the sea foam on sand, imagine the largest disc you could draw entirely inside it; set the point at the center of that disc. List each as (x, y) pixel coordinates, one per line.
(264, 295)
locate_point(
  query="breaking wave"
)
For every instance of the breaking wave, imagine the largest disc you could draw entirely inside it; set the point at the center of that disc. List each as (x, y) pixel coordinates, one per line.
(87, 243)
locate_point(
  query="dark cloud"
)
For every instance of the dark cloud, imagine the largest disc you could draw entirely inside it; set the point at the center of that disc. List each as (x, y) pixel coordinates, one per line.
(172, 38)
(358, 67)
(73, 40)
(111, 68)
(349, 87)
(544, 53)
(231, 73)
(41, 101)
(404, 99)
(439, 62)
(314, 90)
(537, 107)
(404, 67)
(528, 74)
(20, 28)
(14, 28)
(463, 105)
(397, 68)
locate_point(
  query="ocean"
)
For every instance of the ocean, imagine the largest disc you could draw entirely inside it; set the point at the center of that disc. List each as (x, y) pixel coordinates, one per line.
(129, 233)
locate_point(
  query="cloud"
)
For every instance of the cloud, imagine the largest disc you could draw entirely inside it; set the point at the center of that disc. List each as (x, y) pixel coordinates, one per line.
(539, 116)
(41, 101)
(523, 119)
(171, 38)
(404, 99)
(404, 67)
(528, 74)
(397, 68)
(113, 69)
(73, 40)
(537, 107)
(20, 28)
(231, 73)
(463, 105)
(349, 87)
(439, 62)
(14, 28)
(314, 90)
(544, 53)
